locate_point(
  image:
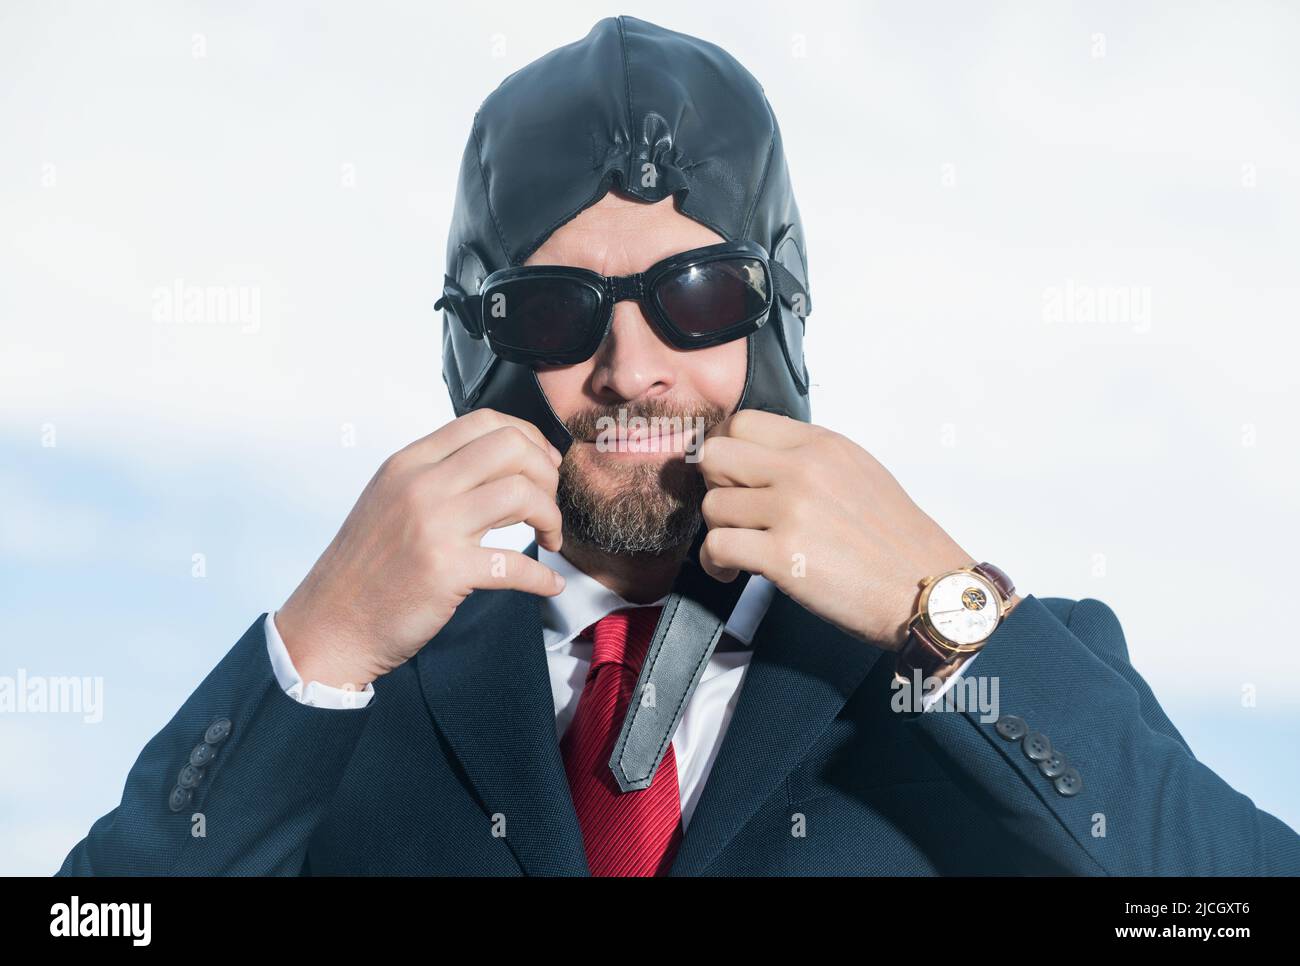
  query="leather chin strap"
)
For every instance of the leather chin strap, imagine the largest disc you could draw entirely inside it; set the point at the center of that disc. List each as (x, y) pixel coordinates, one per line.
(689, 628)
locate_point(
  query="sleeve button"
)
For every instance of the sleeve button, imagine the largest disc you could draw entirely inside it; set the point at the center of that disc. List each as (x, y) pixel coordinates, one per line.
(202, 754)
(1053, 765)
(218, 731)
(190, 777)
(1069, 782)
(179, 798)
(1011, 728)
(1036, 746)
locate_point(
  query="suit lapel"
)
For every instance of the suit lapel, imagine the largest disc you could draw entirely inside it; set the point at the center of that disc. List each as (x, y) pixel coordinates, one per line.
(802, 672)
(486, 683)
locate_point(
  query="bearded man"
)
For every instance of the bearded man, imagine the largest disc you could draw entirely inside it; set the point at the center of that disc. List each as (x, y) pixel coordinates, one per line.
(736, 645)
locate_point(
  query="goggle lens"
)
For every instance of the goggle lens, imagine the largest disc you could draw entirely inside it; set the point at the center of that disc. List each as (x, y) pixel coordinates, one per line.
(549, 316)
(704, 300)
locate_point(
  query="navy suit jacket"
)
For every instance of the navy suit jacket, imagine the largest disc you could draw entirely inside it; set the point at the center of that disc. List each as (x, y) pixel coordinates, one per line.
(454, 767)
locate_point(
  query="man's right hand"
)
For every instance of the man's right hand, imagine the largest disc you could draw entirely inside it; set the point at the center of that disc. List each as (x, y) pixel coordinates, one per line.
(409, 553)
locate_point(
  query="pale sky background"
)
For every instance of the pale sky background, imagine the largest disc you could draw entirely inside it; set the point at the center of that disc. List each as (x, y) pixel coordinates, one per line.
(969, 175)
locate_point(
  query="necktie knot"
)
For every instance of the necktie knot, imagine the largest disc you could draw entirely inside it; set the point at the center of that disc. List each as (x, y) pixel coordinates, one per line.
(623, 637)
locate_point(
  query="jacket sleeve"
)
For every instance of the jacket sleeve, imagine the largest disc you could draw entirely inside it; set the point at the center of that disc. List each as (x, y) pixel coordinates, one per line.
(1142, 804)
(274, 766)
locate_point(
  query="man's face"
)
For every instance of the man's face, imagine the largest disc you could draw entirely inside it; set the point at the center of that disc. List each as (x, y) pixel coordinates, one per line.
(640, 496)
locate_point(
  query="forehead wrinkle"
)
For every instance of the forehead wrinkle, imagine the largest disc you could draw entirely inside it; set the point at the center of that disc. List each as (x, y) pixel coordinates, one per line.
(622, 238)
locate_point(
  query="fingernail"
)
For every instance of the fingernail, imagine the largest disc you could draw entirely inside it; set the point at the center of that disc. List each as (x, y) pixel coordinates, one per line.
(559, 581)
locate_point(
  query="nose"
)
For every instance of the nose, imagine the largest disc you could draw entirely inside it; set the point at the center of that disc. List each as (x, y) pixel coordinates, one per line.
(633, 362)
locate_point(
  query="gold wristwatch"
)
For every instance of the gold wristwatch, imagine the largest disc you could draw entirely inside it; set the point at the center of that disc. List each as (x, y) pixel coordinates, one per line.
(956, 614)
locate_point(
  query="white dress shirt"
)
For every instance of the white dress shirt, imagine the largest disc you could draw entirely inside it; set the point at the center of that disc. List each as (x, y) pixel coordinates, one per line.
(583, 602)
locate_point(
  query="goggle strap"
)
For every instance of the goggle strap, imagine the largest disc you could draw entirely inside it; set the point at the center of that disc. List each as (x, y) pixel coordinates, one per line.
(467, 308)
(788, 286)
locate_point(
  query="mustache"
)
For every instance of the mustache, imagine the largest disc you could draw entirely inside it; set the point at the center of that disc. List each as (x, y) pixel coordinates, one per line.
(587, 424)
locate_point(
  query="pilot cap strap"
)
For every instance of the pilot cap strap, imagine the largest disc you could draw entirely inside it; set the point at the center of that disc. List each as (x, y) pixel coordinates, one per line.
(689, 628)
(788, 287)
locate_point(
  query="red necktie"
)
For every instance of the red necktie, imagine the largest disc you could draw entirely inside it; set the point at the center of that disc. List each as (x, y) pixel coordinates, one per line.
(625, 833)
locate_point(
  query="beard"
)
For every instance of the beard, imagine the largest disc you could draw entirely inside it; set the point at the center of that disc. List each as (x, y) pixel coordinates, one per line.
(621, 507)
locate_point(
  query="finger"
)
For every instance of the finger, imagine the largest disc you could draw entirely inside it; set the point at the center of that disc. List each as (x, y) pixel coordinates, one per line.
(502, 452)
(726, 551)
(446, 440)
(724, 461)
(767, 429)
(510, 570)
(505, 502)
(743, 507)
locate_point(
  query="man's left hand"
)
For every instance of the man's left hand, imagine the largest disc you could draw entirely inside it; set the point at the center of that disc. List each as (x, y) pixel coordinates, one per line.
(818, 516)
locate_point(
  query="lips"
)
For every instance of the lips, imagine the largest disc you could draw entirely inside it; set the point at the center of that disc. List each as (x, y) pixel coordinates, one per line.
(662, 431)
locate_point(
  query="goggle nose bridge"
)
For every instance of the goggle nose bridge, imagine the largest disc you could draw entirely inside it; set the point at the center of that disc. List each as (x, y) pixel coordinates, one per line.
(624, 287)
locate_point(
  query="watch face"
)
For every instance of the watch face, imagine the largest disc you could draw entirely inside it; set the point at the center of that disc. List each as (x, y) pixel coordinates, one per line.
(963, 608)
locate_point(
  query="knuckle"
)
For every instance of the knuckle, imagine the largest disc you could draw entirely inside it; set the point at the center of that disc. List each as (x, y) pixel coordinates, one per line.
(801, 512)
(552, 476)
(548, 507)
(485, 418)
(517, 490)
(392, 467)
(709, 505)
(744, 422)
(426, 529)
(421, 525)
(715, 502)
(838, 444)
(806, 475)
(438, 561)
(410, 499)
(540, 463)
(512, 439)
(717, 544)
(537, 465)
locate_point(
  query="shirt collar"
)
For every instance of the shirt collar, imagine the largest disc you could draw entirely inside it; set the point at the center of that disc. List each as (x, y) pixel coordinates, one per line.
(585, 600)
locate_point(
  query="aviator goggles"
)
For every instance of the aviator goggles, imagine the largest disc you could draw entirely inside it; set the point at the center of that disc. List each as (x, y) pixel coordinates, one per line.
(559, 315)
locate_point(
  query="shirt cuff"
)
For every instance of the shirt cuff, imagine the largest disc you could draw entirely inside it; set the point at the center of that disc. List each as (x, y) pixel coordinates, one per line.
(314, 693)
(928, 700)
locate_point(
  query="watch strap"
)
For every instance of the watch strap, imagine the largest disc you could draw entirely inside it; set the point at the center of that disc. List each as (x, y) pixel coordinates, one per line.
(922, 653)
(997, 577)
